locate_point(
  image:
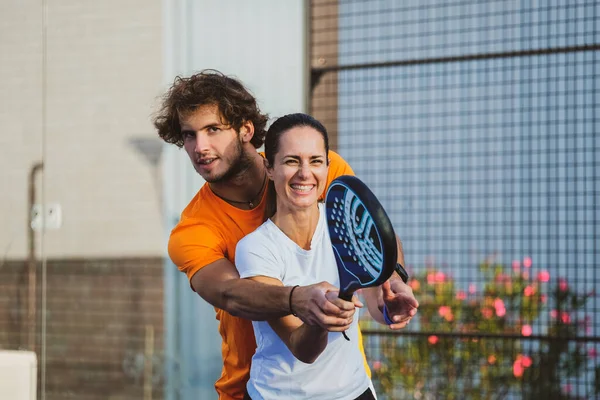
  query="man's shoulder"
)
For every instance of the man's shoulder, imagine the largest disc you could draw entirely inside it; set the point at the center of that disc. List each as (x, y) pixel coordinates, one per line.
(200, 216)
(337, 164)
(197, 232)
(335, 157)
(201, 205)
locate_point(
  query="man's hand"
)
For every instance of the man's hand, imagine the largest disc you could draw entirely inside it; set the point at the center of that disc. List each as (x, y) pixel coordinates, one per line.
(320, 305)
(400, 302)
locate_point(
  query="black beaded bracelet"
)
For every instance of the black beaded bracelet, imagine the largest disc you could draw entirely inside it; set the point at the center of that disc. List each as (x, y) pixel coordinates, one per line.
(290, 300)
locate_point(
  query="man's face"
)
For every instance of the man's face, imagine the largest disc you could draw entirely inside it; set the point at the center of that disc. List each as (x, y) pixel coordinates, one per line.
(215, 148)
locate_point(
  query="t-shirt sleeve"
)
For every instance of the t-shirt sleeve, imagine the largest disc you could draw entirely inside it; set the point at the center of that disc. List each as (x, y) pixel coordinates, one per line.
(193, 246)
(255, 257)
(337, 167)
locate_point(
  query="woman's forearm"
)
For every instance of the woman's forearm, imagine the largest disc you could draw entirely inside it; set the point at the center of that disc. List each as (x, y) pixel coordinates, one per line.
(307, 342)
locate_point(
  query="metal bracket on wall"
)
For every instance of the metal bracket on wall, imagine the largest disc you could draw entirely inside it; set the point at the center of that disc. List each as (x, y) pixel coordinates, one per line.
(46, 218)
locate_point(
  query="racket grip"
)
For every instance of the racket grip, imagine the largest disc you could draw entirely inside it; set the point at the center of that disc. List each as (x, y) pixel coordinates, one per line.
(348, 297)
(345, 295)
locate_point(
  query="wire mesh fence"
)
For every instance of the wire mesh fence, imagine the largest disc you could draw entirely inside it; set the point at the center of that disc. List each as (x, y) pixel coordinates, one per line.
(475, 123)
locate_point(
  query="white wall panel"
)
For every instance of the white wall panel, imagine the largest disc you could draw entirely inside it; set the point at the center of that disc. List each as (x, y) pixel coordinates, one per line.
(262, 42)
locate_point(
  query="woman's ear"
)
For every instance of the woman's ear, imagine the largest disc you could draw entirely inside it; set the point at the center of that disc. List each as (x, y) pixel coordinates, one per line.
(268, 168)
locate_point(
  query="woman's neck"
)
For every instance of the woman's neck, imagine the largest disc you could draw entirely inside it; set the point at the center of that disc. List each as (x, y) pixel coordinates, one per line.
(298, 225)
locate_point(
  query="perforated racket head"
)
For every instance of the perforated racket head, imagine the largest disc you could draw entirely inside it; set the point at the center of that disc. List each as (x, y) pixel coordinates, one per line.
(362, 236)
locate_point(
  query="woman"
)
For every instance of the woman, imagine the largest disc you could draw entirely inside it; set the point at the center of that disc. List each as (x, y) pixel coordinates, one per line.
(294, 360)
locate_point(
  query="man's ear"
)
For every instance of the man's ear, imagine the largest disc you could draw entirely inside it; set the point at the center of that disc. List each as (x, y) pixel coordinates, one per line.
(247, 131)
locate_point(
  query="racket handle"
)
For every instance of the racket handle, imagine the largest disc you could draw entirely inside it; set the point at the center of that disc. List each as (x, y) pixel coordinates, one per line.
(348, 297)
(345, 295)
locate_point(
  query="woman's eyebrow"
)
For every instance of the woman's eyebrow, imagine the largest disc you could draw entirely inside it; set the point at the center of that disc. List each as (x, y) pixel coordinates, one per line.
(295, 157)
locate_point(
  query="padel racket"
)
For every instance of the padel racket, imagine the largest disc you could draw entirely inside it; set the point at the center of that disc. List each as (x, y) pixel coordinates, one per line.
(362, 236)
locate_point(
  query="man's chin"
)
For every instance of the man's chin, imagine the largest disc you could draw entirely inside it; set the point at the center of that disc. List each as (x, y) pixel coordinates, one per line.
(209, 177)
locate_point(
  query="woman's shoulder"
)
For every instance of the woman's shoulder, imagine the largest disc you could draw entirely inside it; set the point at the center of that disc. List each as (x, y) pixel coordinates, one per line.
(261, 237)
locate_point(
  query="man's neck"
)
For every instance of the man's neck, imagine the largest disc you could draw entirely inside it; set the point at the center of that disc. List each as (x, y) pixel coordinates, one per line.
(245, 186)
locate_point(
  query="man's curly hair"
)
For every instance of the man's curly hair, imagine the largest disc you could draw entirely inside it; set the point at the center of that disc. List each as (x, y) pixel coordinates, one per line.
(209, 87)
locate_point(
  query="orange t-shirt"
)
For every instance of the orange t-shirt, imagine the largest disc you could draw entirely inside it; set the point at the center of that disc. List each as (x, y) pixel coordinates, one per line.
(209, 230)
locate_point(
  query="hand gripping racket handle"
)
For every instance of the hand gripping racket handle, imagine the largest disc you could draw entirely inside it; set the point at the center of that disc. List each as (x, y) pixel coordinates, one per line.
(344, 295)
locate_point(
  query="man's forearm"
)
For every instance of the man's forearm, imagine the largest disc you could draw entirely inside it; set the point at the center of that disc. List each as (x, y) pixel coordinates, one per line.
(253, 300)
(220, 285)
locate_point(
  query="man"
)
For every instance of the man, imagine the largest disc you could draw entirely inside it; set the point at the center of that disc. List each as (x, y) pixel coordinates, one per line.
(218, 123)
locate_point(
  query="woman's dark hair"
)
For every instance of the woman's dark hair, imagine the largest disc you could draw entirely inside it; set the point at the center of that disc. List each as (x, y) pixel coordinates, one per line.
(209, 87)
(272, 140)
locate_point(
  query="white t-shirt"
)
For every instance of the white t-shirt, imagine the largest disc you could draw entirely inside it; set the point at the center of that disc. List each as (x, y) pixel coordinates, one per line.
(338, 372)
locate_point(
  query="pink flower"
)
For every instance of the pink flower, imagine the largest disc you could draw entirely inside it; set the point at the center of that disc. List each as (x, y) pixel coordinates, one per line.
(430, 279)
(444, 310)
(518, 368)
(376, 365)
(472, 288)
(432, 339)
(516, 265)
(520, 364)
(440, 277)
(562, 284)
(544, 298)
(543, 276)
(567, 388)
(446, 313)
(592, 352)
(415, 284)
(553, 314)
(487, 312)
(526, 330)
(500, 308)
(527, 262)
(461, 295)
(565, 317)
(529, 291)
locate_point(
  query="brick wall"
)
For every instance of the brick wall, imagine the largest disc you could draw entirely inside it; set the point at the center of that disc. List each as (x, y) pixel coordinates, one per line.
(100, 317)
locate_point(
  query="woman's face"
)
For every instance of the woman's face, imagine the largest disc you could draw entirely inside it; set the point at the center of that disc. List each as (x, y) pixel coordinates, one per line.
(300, 168)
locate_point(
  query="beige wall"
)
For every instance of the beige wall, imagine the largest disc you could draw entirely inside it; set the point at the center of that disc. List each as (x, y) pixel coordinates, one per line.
(104, 73)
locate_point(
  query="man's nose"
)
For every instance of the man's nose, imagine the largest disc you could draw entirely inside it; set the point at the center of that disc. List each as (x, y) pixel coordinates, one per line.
(202, 144)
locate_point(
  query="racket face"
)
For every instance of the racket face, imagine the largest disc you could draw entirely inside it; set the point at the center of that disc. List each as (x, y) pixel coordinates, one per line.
(363, 240)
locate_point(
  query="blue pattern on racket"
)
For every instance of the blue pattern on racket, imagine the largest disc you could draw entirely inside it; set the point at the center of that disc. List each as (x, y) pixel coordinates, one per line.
(362, 236)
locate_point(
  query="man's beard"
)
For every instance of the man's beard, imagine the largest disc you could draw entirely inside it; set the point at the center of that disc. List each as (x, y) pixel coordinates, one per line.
(240, 163)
